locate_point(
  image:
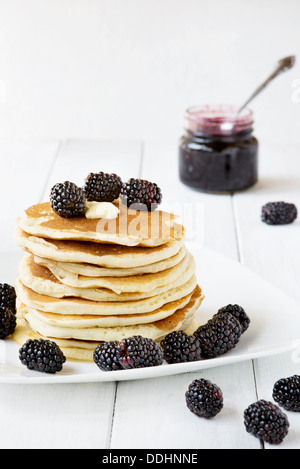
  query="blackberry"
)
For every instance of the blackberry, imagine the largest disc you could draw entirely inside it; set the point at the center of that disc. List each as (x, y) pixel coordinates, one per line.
(204, 398)
(179, 347)
(139, 352)
(105, 356)
(279, 213)
(286, 392)
(140, 194)
(219, 335)
(102, 187)
(42, 355)
(265, 421)
(239, 313)
(68, 200)
(8, 296)
(7, 322)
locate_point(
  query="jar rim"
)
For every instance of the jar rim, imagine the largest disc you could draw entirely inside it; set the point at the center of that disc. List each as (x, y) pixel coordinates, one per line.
(218, 119)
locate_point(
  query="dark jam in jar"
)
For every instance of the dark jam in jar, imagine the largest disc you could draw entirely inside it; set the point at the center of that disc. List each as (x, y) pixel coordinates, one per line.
(218, 152)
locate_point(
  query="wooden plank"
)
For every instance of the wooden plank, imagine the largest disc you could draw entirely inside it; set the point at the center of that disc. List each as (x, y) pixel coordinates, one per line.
(24, 168)
(273, 252)
(75, 161)
(78, 158)
(75, 416)
(268, 371)
(155, 411)
(157, 407)
(208, 218)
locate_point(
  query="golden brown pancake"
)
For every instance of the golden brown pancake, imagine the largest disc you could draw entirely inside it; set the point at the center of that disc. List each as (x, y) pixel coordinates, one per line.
(86, 281)
(41, 280)
(155, 330)
(131, 284)
(89, 270)
(105, 255)
(75, 305)
(131, 228)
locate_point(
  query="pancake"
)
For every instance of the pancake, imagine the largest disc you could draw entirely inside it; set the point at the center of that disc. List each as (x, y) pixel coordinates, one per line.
(72, 349)
(80, 306)
(86, 281)
(130, 228)
(136, 283)
(42, 281)
(104, 255)
(88, 270)
(155, 330)
(88, 321)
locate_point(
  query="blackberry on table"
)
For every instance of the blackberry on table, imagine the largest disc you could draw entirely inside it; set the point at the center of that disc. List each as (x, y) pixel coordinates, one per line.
(179, 347)
(8, 322)
(105, 356)
(68, 200)
(266, 421)
(286, 392)
(204, 399)
(102, 187)
(42, 355)
(238, 312)
(8, 296)
(279, 213)
(140, 194)
(139, 352)
(219, 335)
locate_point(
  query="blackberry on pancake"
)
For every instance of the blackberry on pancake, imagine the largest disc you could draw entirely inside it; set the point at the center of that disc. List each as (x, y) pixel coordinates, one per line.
(68, 200)
(140, 194)
(102, 187)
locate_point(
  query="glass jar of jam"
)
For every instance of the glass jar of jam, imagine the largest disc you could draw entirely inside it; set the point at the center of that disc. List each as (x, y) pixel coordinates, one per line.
(218, 152)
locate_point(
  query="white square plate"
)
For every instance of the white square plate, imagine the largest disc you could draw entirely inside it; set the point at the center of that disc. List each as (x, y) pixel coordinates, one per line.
(274, 328)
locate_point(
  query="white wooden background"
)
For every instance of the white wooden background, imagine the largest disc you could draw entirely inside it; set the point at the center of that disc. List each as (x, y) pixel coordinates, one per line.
(128, 69)
(152, 413)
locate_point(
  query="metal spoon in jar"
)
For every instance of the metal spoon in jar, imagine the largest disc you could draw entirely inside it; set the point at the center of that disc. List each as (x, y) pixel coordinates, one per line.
(282, 66)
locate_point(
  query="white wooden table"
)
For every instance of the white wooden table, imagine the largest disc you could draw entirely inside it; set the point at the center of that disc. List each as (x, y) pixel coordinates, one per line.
(152, 414)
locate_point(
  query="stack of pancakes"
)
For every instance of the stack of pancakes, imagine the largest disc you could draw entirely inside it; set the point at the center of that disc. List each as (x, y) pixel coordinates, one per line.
(85, 281)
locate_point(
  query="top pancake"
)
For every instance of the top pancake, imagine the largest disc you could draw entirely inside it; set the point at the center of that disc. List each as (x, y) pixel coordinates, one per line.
(131, 228)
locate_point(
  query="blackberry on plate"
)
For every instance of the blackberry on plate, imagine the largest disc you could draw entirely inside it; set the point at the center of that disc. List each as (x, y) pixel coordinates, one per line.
(8, 322)
(204, 398)
(279, 213)
(219, 335)
(140, 194)
(238, 312)
(68, 200)
(139, 352)
(102, 187)
(286, 392)
(8, 296)
(266, 421)
(105, 356)
(42, 355)
(179, 347)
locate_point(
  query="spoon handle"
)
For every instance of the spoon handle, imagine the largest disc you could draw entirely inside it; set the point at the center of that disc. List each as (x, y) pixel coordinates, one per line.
(282, 66)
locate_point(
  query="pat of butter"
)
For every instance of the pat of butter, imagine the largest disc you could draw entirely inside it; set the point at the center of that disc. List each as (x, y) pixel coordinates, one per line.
(95, 210)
